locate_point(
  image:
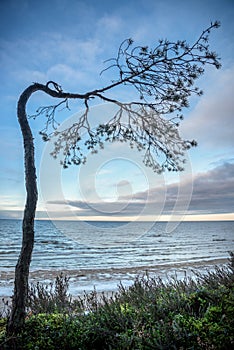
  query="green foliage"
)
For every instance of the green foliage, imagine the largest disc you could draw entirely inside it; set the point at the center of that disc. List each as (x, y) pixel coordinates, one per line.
(151, 314)
(50, 298)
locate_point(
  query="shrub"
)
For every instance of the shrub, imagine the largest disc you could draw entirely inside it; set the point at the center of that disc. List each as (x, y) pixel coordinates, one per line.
(150, 314)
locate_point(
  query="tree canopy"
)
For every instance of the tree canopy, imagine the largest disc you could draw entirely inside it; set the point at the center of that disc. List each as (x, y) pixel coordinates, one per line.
(163, 80)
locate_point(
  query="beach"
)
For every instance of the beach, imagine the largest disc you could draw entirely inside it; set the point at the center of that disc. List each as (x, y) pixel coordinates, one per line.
(107, 280)
(195, 245)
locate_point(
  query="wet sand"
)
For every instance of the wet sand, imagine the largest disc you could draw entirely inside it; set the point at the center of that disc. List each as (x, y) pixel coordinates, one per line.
(51, 274)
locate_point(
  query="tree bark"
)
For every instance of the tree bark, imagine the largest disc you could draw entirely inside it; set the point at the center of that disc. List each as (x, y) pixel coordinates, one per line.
(17, 315)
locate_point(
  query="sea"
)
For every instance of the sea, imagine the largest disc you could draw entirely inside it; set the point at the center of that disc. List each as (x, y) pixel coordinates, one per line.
(102, 255)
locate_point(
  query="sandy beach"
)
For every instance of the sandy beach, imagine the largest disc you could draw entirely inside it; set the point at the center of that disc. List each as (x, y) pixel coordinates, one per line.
(104, 280)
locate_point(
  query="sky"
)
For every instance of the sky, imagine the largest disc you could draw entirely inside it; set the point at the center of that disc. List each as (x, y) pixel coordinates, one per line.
(68, 42)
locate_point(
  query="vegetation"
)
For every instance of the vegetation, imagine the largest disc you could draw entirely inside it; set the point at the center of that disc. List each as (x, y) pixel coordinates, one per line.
(193, 313)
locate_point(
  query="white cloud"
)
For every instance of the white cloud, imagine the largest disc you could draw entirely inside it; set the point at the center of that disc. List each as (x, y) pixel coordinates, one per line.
(66, 74)
(211, 121)
(73, 61)
(110, 24)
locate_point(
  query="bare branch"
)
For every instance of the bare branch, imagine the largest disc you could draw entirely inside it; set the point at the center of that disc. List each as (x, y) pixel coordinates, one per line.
(141, 127)
(163, 78)
(49, 112)
(164, 75)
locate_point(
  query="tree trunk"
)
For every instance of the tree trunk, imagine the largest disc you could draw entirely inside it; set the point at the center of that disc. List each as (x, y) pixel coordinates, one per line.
(17, 315)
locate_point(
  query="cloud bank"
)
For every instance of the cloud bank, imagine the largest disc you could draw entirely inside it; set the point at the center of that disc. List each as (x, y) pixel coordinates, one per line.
(213, 193)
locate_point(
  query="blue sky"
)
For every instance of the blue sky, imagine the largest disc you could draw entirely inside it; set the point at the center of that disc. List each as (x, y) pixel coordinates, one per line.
(68, 42)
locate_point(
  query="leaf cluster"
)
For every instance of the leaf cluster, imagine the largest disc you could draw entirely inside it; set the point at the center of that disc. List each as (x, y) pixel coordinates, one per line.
(163, 78)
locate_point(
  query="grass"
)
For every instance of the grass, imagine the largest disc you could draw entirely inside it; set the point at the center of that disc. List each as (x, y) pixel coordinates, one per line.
(193, 313)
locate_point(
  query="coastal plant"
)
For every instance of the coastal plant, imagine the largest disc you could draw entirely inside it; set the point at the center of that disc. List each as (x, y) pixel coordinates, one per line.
(151, 314)
(221, 275)
(163, 81)
(48, 298)
(5, 308)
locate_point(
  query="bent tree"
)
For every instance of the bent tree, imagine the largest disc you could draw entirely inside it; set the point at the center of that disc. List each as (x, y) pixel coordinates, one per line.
(163, 80)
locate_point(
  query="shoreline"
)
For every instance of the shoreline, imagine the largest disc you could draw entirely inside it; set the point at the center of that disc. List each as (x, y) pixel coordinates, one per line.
(131, 269)
(104, 281)
(108, 279)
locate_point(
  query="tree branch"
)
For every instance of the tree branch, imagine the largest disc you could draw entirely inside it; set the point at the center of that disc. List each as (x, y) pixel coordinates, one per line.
(164, 80)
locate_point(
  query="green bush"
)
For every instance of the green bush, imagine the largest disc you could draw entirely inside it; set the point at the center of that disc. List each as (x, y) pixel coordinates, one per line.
(151, 314)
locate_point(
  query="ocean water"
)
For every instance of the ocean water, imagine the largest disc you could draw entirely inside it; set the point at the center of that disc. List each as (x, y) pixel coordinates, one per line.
(102, 254)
